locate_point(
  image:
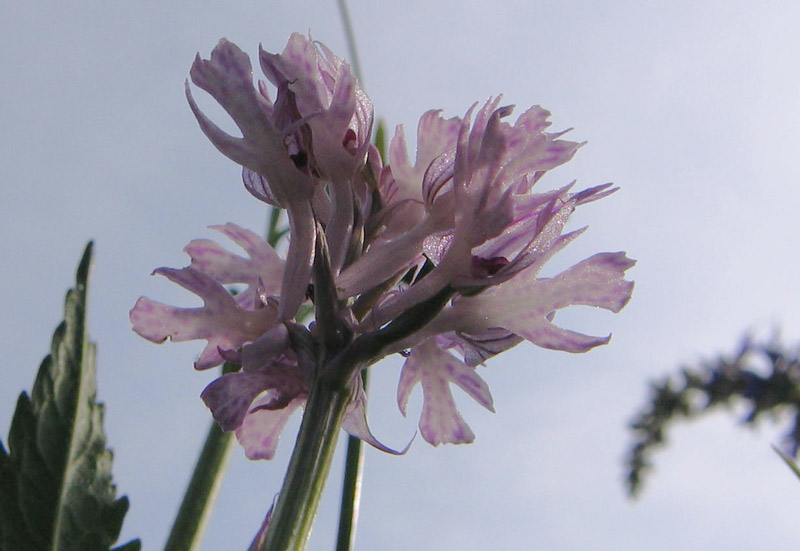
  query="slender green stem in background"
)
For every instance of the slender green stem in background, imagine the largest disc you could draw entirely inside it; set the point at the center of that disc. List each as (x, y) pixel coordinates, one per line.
(351, 40)
(351, 489)
(788, 460)
(273, 233)
(190, 523)
(293, 516)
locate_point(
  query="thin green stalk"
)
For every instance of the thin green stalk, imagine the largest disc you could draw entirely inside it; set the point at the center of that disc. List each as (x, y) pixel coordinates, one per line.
(351, 490)
(293, 516)
(788, 460)
(195, 510)
(273, 233)
(350, 35)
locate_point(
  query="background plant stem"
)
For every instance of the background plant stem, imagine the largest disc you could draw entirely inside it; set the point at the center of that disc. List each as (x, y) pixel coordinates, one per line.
(350, 35)
(190, 523)
(351, 489)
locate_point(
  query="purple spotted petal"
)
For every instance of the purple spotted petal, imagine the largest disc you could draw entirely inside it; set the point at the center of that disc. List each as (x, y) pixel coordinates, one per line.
(264, 351)
(228, 77)
(436, 369)
(220, 321)
(597, 281)
(230, 397)
(263, 268)
(435, 136)
(261, 428)
(525, 305)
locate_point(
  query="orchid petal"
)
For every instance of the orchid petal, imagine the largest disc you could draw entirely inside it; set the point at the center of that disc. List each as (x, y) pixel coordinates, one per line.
(524, 305)
(220, 321)
(263, 264)
(227, 76)
(435, 369)
(481, 347)
(261, 428)
(230, 397)
(355, 421)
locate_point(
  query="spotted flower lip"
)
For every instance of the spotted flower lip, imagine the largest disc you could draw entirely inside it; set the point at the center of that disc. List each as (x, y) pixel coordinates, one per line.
(435, 369)
(436, 256)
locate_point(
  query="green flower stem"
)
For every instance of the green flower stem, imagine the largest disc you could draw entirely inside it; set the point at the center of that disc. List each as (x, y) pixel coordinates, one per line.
(190, 523)
(293, 516)
(351, 489)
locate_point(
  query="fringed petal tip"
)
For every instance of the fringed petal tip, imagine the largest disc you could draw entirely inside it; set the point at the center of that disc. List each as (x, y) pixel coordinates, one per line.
(435, 369)
(146, 320)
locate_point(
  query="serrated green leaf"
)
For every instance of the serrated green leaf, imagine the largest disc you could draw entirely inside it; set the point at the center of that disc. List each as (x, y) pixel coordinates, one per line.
(55, 479)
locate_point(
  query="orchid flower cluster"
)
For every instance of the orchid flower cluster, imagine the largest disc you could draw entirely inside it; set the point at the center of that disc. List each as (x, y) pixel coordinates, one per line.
(436, 258)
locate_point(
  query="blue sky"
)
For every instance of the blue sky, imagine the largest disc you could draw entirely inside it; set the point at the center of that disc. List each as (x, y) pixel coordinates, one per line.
(692, 108)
